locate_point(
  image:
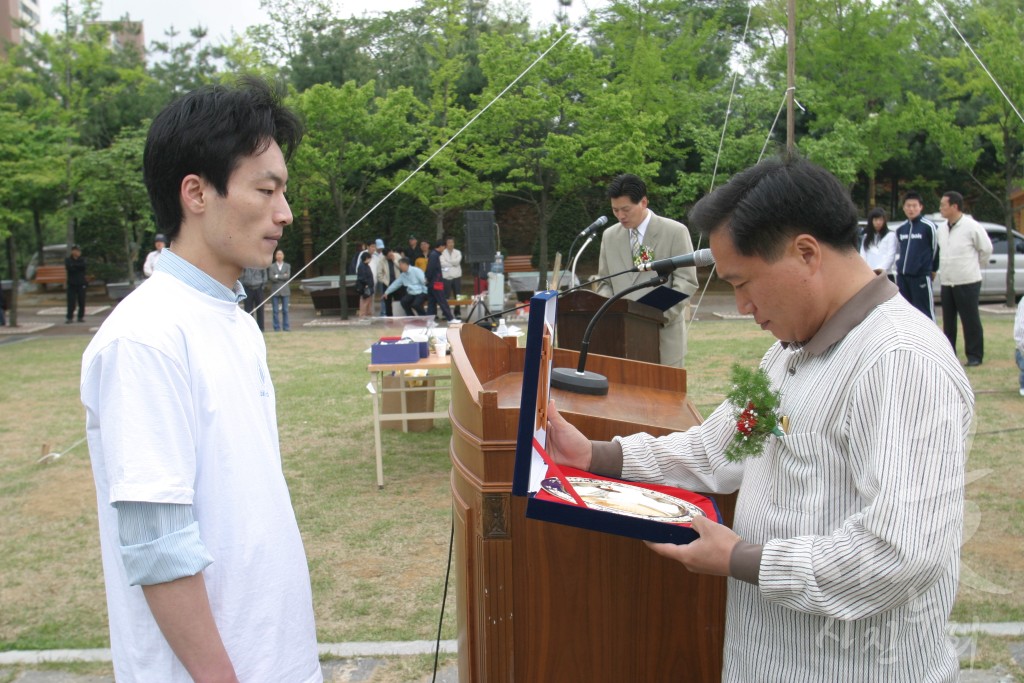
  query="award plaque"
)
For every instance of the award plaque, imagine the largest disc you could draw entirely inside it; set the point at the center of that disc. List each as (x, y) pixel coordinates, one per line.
(564, 495)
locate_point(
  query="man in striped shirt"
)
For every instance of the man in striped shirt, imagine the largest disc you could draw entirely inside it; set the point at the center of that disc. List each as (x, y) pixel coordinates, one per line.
(844, 555)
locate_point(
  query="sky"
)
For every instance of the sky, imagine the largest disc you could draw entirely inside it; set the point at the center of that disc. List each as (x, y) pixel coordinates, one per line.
(222, 16)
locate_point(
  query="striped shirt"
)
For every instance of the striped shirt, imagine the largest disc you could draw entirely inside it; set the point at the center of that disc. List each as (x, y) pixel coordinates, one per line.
(859, 508)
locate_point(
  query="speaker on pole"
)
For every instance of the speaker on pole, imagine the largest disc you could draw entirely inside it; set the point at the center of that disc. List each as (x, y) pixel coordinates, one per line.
(480, 239)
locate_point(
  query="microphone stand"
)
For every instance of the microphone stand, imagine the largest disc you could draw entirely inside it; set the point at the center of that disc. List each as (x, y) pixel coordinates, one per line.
(560, 294)
(575, 260)
(580, 380)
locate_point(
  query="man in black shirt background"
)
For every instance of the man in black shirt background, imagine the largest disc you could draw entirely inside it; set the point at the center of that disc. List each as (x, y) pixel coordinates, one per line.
(76, 283)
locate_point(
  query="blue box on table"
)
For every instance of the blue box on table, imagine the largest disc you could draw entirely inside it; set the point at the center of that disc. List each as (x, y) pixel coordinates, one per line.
(395, 351)
(581, 499)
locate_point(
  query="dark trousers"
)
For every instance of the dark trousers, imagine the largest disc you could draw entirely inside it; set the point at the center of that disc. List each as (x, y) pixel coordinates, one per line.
(254, 299)
(397, 296)
(917, 289)
(962, 300)
(453, 290)
(438, 300)
(76, 296)
(413, 303)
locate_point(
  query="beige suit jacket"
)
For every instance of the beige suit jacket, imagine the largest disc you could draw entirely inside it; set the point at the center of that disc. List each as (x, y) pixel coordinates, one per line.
(667, 238)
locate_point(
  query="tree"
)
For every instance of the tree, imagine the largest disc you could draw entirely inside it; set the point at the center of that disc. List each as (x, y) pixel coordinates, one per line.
(559, 131)
(447, 183)
(990, 117)
(856, 66)
(111, 193)
(352, 139)
(31, 164)
(291, 23)
(100, 88)
(187, 62)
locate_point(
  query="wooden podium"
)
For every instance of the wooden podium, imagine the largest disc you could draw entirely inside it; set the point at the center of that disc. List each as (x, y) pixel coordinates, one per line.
(628, 329)
(541, 602)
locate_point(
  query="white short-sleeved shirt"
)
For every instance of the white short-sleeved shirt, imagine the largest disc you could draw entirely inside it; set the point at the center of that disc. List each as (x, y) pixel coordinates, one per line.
(180, 408)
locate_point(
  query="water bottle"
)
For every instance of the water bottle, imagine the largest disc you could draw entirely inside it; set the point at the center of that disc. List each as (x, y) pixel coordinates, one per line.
(499, 263)
(502, 328)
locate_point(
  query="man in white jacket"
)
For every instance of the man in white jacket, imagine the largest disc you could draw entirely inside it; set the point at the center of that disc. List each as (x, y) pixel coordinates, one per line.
(964, 247)
(451, 271)
(159, 242)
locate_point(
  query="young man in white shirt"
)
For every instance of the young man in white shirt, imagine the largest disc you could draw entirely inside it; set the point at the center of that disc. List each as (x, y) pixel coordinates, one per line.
(205, 571)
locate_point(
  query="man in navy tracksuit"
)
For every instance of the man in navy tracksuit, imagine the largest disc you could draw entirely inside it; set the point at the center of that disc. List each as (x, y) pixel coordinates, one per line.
(918, 256)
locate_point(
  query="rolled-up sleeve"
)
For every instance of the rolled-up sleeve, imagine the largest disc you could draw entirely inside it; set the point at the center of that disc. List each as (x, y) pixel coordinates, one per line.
(160, 542)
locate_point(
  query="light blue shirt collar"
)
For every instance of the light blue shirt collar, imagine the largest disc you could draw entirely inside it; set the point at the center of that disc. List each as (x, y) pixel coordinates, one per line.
(182, 270)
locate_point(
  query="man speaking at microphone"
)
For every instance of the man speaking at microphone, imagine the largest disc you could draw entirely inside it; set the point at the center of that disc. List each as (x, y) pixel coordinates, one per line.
(638, 237)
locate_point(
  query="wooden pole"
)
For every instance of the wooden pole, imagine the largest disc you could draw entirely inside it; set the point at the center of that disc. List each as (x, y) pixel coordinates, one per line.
(790, 77)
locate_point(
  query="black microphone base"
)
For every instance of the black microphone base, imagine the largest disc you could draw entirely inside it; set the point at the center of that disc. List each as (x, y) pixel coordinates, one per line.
(585, 383)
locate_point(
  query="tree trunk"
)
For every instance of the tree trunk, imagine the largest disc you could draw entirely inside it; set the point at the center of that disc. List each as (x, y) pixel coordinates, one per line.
(37, 226)
(12, 267)
(307, 237)
(343, 270)
(1011, 248)
(128, 257)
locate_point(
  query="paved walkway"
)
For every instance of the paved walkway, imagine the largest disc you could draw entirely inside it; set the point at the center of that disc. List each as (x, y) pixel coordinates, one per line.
(42, 313)
(357, 662)
(341, 662)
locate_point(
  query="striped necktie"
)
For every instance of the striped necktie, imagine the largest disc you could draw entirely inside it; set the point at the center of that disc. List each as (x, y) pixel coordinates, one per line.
(634, 243)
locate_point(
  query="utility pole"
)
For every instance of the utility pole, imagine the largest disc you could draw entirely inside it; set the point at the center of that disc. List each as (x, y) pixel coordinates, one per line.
(790, 78)
(70, 231)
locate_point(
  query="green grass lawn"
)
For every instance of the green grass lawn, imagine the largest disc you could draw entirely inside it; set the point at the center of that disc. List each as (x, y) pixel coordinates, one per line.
(377, 557)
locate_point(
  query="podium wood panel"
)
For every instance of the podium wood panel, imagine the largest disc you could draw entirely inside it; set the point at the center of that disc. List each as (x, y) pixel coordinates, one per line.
(628, 329)
(540, 602)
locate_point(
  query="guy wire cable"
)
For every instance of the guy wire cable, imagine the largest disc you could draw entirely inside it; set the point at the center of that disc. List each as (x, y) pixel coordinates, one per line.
(728, 107)
(985, 68)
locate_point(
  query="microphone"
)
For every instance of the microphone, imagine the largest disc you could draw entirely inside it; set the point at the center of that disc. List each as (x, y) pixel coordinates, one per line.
(600, 222)
(699, 259)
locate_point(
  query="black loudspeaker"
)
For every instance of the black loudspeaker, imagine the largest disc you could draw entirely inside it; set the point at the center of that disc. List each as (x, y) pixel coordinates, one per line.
(480, 243)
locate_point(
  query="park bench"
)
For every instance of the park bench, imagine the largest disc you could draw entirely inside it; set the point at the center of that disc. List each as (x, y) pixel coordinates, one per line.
(518, 264)
(50, 275)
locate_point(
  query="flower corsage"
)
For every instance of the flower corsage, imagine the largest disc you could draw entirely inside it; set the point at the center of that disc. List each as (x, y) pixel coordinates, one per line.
(645, 255)
(755, 409)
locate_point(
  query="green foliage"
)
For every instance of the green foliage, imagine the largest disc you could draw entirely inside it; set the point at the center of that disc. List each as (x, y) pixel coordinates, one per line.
(447, 183)
(558, 131)
(354, 141)
(890, 98)
(113, 207)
